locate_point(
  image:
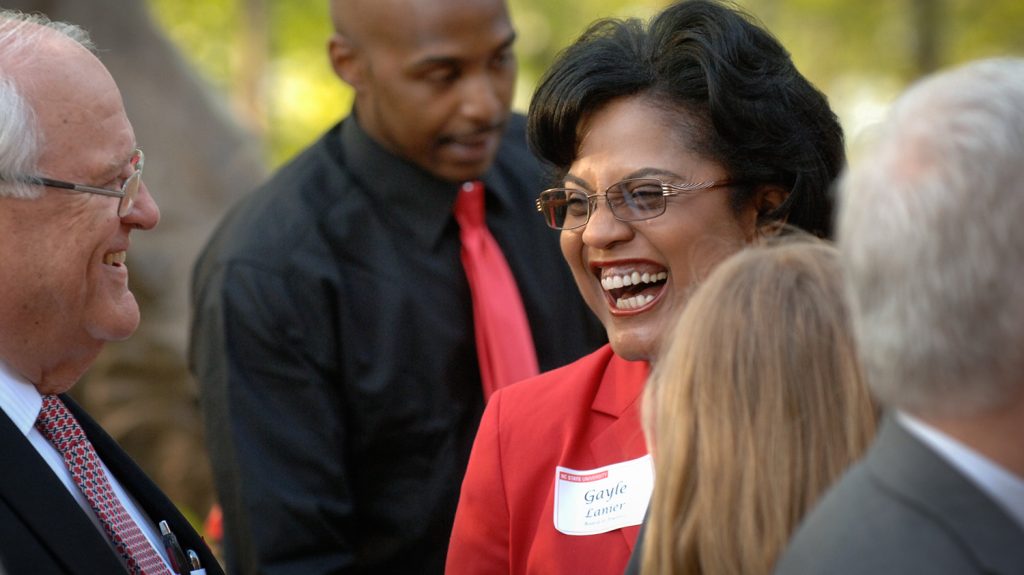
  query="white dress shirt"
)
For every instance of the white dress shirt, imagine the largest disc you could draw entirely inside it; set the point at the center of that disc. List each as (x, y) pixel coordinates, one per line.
(1002, 485)
(21, 402)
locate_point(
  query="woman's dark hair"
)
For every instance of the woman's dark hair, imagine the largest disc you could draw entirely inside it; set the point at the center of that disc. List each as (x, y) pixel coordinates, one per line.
(714, 65)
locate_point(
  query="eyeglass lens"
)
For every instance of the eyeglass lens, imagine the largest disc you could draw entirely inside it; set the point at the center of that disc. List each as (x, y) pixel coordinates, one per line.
(131, 185)
(629, 200)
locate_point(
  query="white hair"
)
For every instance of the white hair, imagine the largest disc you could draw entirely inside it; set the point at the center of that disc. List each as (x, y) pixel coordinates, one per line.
(931, 231)
(20, 137)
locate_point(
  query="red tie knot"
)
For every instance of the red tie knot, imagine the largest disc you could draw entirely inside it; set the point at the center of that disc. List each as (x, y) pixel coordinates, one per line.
(57, 424)
(469, 205)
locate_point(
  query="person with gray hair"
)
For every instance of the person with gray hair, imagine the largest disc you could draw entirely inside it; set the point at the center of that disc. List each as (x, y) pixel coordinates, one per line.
(71, 193)
(931, 239)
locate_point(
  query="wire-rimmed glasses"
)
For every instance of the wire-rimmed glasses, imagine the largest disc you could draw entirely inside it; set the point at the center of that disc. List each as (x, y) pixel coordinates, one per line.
(630, 200)
(128, 192)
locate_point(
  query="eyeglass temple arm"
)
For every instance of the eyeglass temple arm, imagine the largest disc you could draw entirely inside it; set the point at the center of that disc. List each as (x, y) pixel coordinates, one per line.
(700, 186)
(76, 187)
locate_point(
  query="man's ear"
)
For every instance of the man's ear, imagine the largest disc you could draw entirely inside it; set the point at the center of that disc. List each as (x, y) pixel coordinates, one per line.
(345, 60)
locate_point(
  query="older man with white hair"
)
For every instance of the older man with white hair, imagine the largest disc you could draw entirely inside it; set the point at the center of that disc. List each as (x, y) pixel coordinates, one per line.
(931, 230)
(71, 194)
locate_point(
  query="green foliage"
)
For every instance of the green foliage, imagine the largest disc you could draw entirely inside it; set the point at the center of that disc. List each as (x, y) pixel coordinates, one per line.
(203, 31)
(859, 52)
(299, 95)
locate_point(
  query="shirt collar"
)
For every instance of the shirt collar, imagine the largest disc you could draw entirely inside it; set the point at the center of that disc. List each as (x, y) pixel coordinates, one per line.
(19, 399)
(999, 483)
(418, 201)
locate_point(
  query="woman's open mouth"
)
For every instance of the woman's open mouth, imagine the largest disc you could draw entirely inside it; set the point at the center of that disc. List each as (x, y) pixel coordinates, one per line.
(632, 289)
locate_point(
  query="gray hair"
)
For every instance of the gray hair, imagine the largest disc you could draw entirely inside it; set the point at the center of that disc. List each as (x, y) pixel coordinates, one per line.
(931, 231)
(20, 138)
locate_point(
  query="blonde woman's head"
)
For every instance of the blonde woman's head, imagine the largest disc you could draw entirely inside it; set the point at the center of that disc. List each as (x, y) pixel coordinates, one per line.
(755, 407)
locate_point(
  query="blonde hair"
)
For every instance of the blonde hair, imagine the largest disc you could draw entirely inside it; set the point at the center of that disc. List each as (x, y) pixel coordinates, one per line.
(755, 407)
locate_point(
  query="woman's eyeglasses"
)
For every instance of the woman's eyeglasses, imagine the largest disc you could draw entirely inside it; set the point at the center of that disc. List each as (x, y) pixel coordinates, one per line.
(630, 200)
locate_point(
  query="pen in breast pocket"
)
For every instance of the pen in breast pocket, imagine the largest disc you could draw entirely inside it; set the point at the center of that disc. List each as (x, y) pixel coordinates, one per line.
(174, 553)
(197, 568)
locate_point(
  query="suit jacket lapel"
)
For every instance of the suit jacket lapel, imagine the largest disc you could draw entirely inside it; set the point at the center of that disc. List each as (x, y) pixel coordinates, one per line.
(146, 493)
(619, 398)
(30, 488)
(925, 479)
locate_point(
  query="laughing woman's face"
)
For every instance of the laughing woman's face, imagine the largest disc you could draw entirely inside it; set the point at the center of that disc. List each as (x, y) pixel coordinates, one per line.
(637, 275)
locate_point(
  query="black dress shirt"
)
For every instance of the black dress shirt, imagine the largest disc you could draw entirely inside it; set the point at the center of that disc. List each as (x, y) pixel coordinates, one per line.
(333, 343)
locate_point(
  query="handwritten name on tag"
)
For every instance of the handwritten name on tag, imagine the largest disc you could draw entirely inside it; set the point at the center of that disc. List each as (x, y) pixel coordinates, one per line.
(588, 502)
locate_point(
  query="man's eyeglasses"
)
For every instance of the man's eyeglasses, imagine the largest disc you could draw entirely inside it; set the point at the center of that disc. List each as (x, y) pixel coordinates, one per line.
(128, 192)
(630, 200)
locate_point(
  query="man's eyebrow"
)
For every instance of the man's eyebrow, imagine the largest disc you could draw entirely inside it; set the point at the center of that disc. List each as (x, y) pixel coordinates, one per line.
(116, 166)
(429, 62)
(450, 61)
(508, 42)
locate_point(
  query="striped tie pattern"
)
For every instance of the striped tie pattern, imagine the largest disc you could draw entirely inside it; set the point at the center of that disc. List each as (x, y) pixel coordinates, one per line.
(59, 427)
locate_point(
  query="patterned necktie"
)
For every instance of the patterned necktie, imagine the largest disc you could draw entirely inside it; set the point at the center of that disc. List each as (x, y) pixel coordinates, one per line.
(59, 427)
(504, 344)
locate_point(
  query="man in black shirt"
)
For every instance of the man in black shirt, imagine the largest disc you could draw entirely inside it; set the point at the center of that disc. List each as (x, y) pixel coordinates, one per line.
(333, 332)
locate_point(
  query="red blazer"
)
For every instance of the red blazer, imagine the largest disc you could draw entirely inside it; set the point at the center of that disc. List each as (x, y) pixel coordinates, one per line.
(582, 416)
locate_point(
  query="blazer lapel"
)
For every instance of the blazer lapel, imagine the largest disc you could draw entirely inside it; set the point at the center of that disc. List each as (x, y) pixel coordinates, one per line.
(619, 398)
(31, 489)
(154, 503)
(923, 477)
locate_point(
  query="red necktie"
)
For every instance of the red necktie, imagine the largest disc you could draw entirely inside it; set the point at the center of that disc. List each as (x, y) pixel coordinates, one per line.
(504, 345)
(59, 427)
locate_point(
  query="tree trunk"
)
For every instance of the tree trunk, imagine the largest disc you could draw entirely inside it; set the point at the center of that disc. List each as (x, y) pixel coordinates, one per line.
(926, 25)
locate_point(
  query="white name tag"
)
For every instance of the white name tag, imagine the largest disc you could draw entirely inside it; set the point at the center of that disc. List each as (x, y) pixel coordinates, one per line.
(599, 500)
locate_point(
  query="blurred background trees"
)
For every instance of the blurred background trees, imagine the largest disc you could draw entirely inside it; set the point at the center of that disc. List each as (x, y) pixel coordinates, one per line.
(222, 91)
(268, 55)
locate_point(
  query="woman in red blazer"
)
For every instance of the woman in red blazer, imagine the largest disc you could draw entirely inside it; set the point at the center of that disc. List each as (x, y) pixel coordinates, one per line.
(677, 143)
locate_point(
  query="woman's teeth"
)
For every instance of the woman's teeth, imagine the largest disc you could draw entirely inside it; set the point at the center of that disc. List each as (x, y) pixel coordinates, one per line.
(633, 302)
(626, 288)
(635, 278)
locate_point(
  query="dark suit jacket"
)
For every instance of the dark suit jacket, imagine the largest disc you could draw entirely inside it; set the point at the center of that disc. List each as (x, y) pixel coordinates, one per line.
(42, 528)
(905, 510)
